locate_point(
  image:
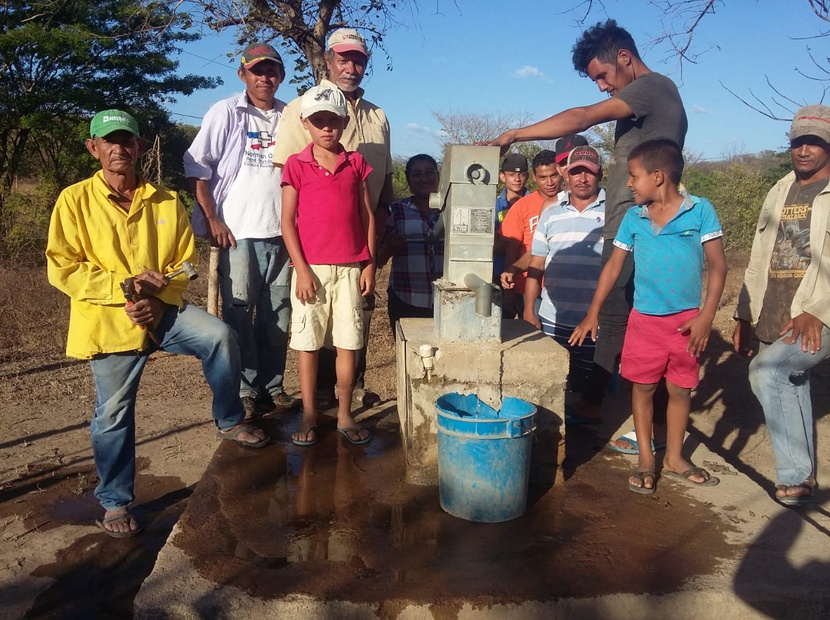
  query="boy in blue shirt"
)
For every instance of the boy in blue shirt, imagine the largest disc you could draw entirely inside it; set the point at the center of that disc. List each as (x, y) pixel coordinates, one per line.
(669, 234)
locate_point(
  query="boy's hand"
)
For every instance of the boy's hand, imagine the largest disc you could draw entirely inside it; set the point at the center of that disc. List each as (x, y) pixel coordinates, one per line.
(699, 329)
(588, 325)
(306, 286)
(507, 281)
(367, 280)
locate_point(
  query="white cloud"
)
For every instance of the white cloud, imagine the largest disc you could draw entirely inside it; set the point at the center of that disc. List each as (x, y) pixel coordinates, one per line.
(527, 72)
(699, 109)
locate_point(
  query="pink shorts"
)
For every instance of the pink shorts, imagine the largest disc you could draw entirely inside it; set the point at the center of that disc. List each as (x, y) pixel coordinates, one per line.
(654, 348)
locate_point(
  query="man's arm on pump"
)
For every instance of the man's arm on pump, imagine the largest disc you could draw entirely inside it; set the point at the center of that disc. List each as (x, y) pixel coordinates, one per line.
(573, 120)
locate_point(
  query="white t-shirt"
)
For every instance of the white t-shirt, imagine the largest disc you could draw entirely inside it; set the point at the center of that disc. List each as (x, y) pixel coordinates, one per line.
(252, 208)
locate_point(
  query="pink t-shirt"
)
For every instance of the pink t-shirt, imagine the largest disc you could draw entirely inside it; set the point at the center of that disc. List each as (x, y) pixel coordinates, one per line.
(328, 220)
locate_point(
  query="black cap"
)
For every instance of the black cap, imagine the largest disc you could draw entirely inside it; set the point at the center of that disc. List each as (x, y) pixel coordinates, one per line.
(566, 144)
(514, 162)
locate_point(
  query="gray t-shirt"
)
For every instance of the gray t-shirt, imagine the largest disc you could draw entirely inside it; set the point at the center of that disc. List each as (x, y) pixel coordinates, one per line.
(658, 113)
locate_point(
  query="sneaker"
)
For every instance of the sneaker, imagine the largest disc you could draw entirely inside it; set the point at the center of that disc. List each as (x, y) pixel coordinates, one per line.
(283, 402)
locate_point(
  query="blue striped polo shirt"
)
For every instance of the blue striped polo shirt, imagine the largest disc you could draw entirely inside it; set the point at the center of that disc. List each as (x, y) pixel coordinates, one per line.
(668, 262)
(571, 242)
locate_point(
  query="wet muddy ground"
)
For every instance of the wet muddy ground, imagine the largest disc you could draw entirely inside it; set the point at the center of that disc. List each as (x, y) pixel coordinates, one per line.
(338, 522)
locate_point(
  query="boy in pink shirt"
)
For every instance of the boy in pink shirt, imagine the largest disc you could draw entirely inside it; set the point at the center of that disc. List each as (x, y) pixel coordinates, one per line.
(329, 231)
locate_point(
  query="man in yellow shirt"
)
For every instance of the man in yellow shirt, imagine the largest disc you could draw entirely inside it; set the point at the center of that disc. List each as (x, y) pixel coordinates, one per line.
(105, 229)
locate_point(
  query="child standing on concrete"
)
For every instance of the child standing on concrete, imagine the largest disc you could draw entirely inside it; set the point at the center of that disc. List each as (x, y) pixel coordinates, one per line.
(669, 233)
(329, 231)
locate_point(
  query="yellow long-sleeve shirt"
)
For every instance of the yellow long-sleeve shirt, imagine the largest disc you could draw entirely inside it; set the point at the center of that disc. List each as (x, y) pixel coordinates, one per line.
(94, 245)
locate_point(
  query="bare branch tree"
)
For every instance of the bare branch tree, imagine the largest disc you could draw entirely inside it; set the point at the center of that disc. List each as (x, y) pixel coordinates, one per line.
(471, 127)
(300, 26)
(821, 8)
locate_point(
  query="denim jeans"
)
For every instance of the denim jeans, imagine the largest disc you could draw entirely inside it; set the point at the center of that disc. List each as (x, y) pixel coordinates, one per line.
(255, 280)
(780, 378)
(188, 331)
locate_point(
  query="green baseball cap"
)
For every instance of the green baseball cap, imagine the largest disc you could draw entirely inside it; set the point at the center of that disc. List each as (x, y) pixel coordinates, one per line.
(107, 121)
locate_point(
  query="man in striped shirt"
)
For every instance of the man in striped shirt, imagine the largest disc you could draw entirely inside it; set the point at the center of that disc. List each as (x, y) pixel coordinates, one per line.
(567, 251)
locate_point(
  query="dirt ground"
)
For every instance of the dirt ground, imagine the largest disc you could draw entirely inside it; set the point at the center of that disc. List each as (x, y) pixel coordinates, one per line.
(53, 560)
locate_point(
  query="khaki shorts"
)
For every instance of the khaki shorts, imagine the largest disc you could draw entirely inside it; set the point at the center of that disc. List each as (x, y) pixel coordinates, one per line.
(336, 314)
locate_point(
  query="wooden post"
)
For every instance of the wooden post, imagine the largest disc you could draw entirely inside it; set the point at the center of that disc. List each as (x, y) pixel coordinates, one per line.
(213, 282)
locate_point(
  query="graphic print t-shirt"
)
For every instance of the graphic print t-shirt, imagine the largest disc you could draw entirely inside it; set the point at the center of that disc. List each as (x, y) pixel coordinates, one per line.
(252, 208)
(790, 259)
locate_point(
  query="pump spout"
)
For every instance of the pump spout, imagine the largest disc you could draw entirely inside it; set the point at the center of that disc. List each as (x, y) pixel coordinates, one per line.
(483, 292)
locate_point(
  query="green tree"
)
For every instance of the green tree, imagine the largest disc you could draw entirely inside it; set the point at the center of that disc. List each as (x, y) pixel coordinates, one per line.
(737, 189)
(63, 60)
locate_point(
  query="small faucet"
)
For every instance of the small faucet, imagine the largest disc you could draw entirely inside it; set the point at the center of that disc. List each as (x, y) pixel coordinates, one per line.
(427, 358)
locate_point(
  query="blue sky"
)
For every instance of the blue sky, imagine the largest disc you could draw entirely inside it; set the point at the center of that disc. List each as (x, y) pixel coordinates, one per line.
(514, 59)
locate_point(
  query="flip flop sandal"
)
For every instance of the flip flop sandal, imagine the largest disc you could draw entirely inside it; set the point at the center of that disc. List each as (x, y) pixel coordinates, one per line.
(641, 476)
(348, 432)
(694, 471)
(631, 438)
(121, 516)
(306, 442)
(803, 499)
(233, 435)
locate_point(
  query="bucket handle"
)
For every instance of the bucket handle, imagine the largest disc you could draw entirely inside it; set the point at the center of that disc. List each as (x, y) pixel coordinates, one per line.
(517, 430)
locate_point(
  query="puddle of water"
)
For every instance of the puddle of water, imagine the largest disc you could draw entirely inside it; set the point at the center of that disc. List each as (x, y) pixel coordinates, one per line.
(338, 521)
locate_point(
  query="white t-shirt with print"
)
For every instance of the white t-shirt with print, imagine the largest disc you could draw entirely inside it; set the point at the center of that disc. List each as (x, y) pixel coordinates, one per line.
(252, 208)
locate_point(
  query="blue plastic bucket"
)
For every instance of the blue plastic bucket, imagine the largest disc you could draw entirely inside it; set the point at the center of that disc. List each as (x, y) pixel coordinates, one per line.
(483, 457)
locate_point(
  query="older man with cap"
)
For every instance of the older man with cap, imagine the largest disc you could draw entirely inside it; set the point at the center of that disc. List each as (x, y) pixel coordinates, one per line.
(567, 250)
(238, 199)
(786, 299)
(366, 132)
(117, 234)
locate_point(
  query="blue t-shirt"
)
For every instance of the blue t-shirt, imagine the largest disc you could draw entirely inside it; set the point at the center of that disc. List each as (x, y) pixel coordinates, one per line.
(668, 263)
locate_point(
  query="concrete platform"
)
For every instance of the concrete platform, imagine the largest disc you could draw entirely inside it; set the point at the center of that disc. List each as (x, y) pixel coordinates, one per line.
(334, 531)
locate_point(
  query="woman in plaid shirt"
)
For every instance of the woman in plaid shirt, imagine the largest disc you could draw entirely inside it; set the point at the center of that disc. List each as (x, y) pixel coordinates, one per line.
(417, 252)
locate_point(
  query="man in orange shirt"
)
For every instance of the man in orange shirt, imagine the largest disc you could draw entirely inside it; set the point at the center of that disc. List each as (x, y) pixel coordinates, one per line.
(520, 223)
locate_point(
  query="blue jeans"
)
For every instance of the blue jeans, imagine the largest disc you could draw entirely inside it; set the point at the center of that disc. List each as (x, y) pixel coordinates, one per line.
(780, 378)
(188, 331)
(256, 281)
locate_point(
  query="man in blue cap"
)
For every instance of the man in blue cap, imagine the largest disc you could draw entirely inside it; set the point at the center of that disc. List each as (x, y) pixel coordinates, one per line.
(113, 239)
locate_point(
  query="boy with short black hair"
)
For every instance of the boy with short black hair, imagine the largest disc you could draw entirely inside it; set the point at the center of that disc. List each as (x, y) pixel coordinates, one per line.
(671, 232)
(329, 230)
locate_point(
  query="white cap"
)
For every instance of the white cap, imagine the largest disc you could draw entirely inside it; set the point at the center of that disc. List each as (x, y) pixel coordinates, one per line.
(347, 40)
(323, 98)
